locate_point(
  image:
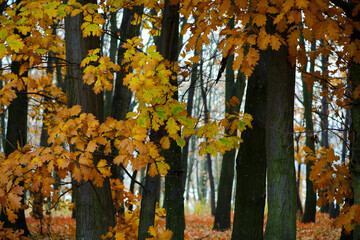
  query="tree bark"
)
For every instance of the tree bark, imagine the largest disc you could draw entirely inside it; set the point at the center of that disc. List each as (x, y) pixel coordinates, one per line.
(122, 94)
(208, 156)
(251, 159)
(310, 204)
(150, 197)
(16, 133)
(281, 181)
(223, 207)
(174, 187)
(94, 215)
(354, 75)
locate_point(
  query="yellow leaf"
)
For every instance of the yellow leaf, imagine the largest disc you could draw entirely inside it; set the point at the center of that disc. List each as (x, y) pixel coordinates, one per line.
(172, 127)
(91, 146)
(166, 235)
(153, 170)
(165, 142)
(302, 3)
(119, 236)
(119, 159)
(152, 231)
(163, 168)
(75, 110)
(75, 12)
(275, 43)
(195, 59)
(260, 19)
(15, 42)
(307, 150)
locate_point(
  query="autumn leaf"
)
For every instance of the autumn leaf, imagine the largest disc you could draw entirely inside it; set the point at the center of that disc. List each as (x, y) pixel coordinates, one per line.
(259, 19)
(15, 42)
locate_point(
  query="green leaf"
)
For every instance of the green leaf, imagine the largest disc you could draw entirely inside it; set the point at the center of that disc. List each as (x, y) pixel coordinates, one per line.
(40, 51)
(180, 142)
(3, 34)
(177, 109)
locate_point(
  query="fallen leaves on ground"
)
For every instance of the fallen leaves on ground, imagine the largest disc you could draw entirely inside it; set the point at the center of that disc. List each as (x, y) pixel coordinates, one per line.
(197, 227)
(321, 229)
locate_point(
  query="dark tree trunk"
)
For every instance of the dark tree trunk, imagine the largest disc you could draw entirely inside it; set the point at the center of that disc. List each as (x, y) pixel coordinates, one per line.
(223, 207)
(113, 50)
(310, 204)
(354, 75)
(251, 159)
(208, 157)
(16, 133)
(281, 181)
(185, 150)
(150, 196)
(94, 214)
(298, 179)
(122, 95)
(174, 186)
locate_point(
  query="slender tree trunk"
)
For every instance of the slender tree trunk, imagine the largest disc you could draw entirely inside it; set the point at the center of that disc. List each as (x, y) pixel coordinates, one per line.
(251, 159)
(174, 186)
(113, 50)
(345, 135)
(150, 197)
(185, 150)
(354, 75)
(94, 214)
(310, 204)
(298, 178)
(17, 134)
(208, 156)
(281, 181)
(122, 95)
(223, 207)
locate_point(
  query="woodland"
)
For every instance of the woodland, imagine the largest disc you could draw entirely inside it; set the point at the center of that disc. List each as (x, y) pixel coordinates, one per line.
(180, 119)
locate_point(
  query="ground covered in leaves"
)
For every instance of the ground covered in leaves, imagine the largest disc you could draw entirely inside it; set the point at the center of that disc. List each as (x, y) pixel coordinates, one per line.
(197, 227)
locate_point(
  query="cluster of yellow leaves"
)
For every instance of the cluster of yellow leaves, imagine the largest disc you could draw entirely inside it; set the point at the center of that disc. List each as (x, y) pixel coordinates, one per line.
(26, 30)
(331, 178)
(216, 141)
(98, 71)
(126, 227)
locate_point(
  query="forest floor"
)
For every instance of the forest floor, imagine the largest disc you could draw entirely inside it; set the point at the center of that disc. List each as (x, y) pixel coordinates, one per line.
(197, 227)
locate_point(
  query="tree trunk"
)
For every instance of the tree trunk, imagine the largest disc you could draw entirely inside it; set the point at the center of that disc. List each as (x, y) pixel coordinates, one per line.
(150, 197)
(354, 75)
(281, 181)
(310, 204)
(251, 159)
(94, 214)
(185, 150)
(174, 187)
(122, 94)
(208, 157)
(16, 133)
(223, 207)
(113, 50)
